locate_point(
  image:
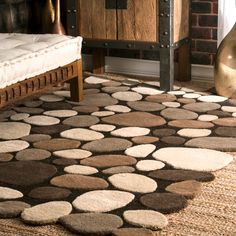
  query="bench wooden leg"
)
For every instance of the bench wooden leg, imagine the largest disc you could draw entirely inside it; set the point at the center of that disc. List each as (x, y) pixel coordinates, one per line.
(76, 84)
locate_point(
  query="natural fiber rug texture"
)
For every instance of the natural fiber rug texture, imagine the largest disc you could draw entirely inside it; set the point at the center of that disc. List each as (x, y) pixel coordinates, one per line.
(127, 160)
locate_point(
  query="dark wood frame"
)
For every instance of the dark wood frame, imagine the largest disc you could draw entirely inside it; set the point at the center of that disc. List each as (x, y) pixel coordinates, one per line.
(69, 73)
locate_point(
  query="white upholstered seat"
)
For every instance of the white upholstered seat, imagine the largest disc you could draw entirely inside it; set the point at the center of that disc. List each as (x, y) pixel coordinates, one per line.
(24, 56)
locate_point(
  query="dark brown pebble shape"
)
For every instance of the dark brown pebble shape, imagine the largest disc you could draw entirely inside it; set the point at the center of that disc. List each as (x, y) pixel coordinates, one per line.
(163, 132)
(64, 162)
(173, 140)
(164, 202)
(26, 173)
(86, 109)
(182, 175)
(49, 193)
(52, 129)
(92, 223)
(12, 209)
(226, 131)
(57, 106)
(219, 113)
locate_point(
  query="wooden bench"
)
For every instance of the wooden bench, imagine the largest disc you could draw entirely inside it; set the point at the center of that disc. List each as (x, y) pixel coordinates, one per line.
(32, 63)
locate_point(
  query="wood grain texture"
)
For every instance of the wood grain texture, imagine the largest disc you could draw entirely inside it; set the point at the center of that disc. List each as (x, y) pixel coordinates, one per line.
(181, 19)
(139, 21)
(95, 21)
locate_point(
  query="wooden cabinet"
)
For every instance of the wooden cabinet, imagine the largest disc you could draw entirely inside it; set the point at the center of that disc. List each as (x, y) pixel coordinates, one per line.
(160, 25)
(140, 21)
(137, 22)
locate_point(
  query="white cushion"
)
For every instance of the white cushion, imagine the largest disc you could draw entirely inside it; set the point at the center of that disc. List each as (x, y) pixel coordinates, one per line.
(24, 56)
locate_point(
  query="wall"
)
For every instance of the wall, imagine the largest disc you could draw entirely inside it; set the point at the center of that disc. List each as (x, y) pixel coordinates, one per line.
(204, 31)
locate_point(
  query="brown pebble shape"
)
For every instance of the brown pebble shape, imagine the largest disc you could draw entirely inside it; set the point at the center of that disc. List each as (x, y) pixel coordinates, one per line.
(92, 223)
(49, 193)
(105, 161)
(161, 98)
(57, 144)
(188, 189)
(81, 121)
(64, 162)
(226, 122)
(145, 139)
(12, 209)
(163, 132)
(50, 130)
(5, 157)
(173, 140)
(26, 173)
(79, 182)
(107, 145)
(226, 131)
(182, 175)
(224, 144)
(178, 114)
(99, 100)
(164, 202)
(137, 119)
(195, 124)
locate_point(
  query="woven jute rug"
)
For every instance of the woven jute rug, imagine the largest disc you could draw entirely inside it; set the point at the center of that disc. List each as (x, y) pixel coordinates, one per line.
(213, 212)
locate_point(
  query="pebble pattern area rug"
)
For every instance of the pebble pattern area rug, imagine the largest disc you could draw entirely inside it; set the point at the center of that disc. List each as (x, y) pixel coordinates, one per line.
(120, 162)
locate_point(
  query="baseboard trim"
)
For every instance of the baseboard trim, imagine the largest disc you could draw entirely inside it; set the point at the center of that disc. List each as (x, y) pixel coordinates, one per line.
(144, 67)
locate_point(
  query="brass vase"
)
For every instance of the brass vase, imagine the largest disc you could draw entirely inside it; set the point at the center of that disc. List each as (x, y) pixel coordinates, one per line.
(57, 25)
(225, 66)
(48, 17)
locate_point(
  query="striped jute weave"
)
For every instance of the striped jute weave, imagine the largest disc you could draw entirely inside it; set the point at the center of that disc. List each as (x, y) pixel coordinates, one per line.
(211, 213)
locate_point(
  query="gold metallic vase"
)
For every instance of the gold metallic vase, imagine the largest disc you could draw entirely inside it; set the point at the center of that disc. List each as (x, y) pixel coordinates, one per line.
(57, 25)
(225, 66)
(48, 17)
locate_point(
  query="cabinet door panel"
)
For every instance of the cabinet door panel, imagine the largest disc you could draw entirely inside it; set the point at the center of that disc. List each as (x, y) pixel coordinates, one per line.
(95, 21)
(139, 21)
(181, 19)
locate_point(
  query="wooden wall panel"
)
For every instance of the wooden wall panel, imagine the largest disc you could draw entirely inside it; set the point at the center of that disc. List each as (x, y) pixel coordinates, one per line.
(95, 21)
(139, 21)
(181, 19)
